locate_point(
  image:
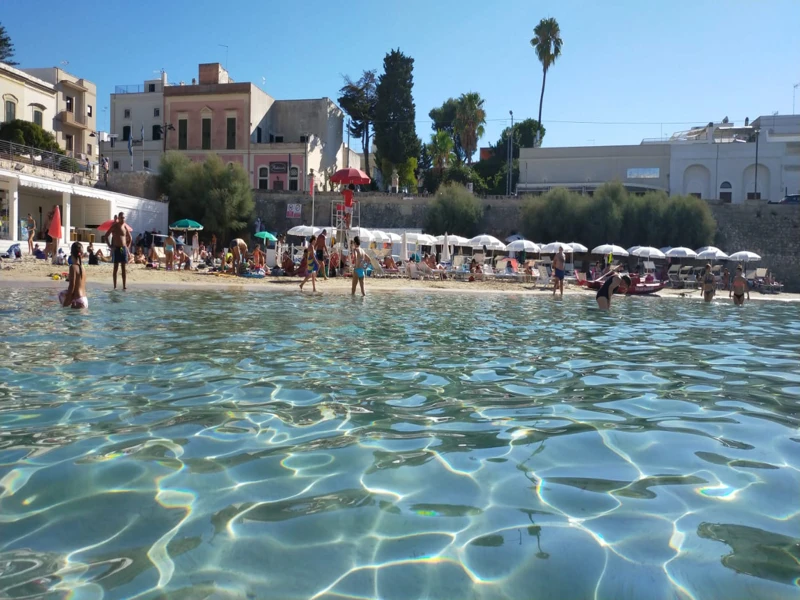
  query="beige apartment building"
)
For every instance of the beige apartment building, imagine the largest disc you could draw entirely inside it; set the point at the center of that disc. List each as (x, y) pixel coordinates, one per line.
(26, 97)
(74, 118)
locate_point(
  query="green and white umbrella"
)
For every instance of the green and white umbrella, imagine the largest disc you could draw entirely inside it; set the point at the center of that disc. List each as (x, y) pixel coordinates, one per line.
(186, 225)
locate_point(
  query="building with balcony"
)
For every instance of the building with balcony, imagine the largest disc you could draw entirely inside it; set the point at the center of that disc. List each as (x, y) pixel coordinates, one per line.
(27, 98)
(75, 111)
(278, 142)
(717, 161)
(137, 109)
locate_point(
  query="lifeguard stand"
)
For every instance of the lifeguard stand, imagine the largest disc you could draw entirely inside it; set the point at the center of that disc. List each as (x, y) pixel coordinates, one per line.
(340, 224)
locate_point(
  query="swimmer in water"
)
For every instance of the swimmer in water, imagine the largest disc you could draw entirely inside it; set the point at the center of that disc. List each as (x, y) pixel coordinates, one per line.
(615, 282)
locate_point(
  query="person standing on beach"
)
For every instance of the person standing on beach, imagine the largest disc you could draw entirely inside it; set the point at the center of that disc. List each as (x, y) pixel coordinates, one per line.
(195, 246)
(169, 252)
(239, 251)
(31, 232)
(120, 240)
(739, 287)
(312, 266)
(708, 284)
(214, 244)
(320, 251)
(558, 269)
(357, 260)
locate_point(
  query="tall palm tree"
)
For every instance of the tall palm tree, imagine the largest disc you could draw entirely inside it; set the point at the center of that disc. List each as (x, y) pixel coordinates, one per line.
(441, 149)
(546, 43)
(469, 122)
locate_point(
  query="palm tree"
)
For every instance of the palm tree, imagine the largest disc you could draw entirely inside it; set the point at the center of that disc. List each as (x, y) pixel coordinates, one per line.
(547, 44)
(469, 122)
(441, 149)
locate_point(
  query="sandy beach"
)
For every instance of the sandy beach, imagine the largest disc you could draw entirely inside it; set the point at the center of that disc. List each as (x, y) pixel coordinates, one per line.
(30, 272)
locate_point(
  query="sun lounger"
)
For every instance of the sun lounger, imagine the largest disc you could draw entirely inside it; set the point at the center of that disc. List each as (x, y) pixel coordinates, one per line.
(675, 281)
(426, 271)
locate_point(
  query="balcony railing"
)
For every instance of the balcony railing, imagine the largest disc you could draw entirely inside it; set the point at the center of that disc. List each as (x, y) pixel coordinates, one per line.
(128, 89)
(72, 118)
(23, 156)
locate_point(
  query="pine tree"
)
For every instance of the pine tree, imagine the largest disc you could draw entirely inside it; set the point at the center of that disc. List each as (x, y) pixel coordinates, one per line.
(6, 48)
(395, 132)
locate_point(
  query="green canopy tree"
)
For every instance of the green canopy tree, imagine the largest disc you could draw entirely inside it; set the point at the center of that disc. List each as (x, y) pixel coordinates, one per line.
(29, 134)
(453, 210)
(547, 44)
(216, 195)
(469, 122)
(443, 119)
(358, 100)
(395, 134)
(6, 48)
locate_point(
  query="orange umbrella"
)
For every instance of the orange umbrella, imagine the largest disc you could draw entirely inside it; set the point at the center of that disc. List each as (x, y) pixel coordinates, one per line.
(55, 231)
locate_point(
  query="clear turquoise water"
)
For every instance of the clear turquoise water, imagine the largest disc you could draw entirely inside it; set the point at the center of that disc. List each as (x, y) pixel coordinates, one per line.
(216, 445)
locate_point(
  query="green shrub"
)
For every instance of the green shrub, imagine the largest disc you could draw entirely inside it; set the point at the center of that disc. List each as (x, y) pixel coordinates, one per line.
(69, 164)
(453, 210)
(29, 134)
(615, 216)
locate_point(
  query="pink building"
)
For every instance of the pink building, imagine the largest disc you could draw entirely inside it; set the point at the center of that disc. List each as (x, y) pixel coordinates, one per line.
(277, 142)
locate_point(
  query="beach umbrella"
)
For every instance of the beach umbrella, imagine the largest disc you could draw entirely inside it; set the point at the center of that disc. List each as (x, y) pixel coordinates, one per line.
(186, 225)
(394, 238)
(576, 247)
(380, 237)
(55, 231)
(423, 239)
(514, 238)
(350, 175)
(648, 252)
(303, 230)
(610, 249)
(706, 249)
(266, 236)
(552, 248)
(365, 235)
(491, 242)
(666, 249)
(712, 254)
(632, 250)
(681, 252)
(446, 250)
(107, 225)
(522, 246)
(742, 256)
(453, 240)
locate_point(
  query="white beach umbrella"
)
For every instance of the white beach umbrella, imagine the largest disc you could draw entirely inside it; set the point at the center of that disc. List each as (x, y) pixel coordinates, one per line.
(744, 256)
(491, 242)
(712, 254)
(426, 240)
(553, 247)
(681, 252)
(365, 235)
(404, 248)
(706, 249)
(648, 252)
(576, 247)
(446, 250)
(458, 240)
(666, 249)
(304, 230)
(610, 249)
(380, 237)
(394, 238)
(522, 245)
(514, 238)
(632, 250)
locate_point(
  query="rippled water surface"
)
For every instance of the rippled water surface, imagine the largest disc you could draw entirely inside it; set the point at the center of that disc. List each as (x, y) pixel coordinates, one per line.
(270, 445)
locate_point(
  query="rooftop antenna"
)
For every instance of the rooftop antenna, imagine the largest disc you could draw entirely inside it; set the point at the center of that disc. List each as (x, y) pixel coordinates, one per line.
(226, 55)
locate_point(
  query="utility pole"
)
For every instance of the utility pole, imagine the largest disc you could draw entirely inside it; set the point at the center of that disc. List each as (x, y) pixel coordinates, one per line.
(794, 91)
(347, 162)
(510, 152)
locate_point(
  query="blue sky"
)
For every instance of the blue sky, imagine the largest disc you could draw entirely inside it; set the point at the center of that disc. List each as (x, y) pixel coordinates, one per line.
(676, 62)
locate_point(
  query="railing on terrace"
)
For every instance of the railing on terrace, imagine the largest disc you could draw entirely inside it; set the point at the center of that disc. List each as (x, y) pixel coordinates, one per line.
(129, 89)
(25, 155)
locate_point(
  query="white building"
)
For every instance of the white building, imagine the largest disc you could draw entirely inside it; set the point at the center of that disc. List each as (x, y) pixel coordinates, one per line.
(714, 161)
(136, 109)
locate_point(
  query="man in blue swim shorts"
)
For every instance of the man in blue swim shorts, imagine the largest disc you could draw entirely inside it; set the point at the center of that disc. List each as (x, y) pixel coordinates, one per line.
(558, 268)
(357, 260)
(120, 237)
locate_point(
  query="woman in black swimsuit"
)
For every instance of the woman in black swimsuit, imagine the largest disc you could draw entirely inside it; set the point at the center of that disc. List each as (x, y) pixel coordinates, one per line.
(611, 285)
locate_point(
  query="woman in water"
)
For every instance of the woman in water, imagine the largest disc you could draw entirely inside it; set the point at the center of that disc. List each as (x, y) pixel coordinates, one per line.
(708, 284)
(169, 252)
(312, 265)
(612, 284)
(75, 294)
(739, 288)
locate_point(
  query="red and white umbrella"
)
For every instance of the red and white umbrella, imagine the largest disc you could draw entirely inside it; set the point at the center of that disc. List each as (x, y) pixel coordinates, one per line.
(107, 225)
(350, 175)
